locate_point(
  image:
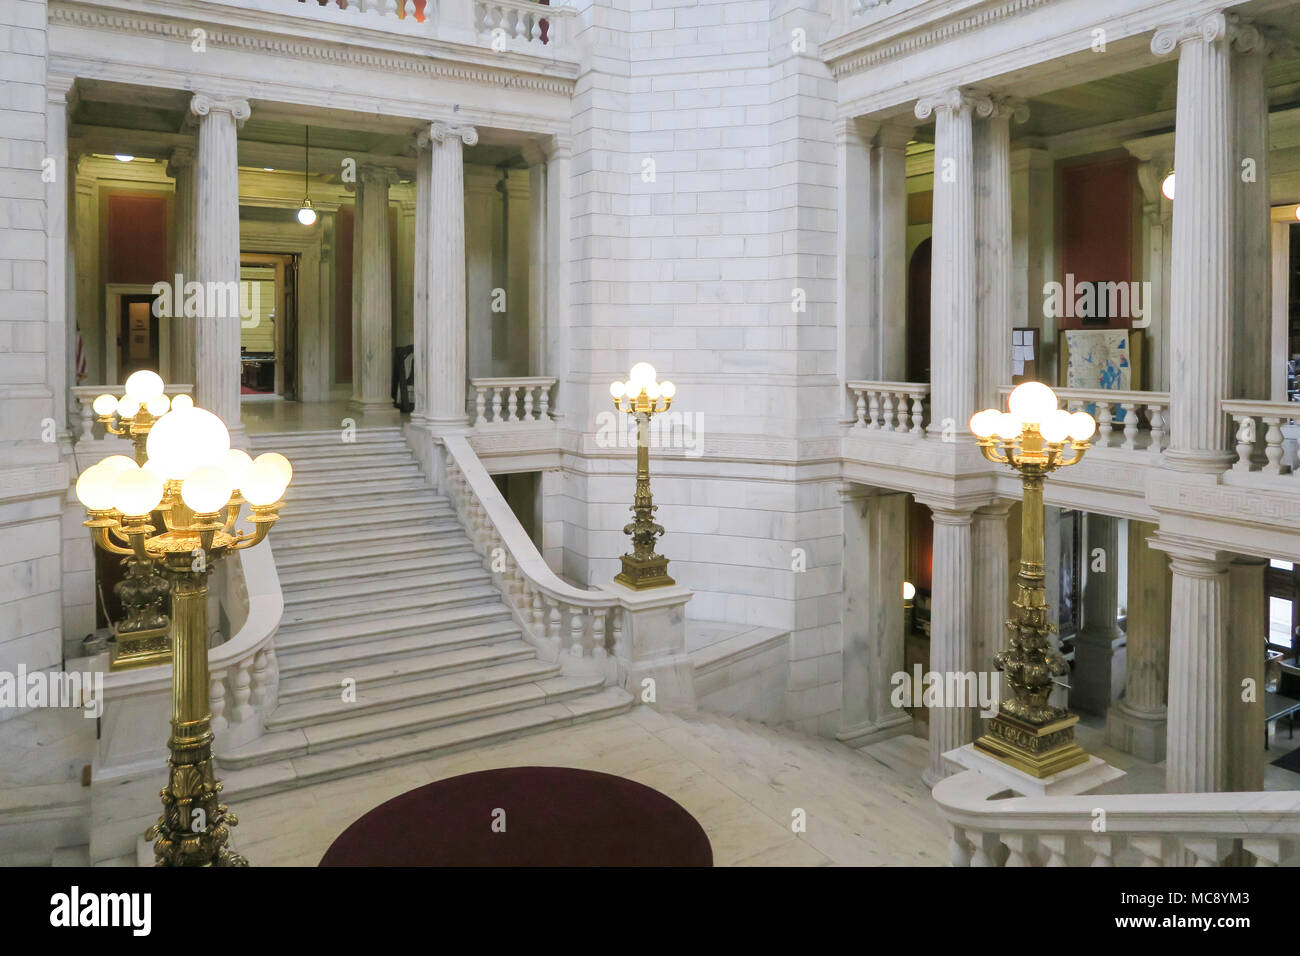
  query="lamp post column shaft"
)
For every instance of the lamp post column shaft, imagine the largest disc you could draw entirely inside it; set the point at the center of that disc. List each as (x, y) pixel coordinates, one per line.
(642, 459)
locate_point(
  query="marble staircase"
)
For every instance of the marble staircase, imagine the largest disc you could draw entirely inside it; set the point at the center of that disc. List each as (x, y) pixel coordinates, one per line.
(384, 595)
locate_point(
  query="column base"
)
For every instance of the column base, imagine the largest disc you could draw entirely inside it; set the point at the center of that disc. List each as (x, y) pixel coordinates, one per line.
(873, 731)
(1204, 462)
(1040, 750)
(371, 405)
(1084, 777)
(141, 649)
(1142, 735)
(641, 574)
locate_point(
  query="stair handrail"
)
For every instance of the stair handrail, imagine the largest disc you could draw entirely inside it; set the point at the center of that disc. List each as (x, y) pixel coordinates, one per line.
(990, 828)
(582, 630)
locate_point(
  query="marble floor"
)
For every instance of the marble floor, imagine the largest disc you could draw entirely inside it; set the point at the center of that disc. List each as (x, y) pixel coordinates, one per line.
(277, 415)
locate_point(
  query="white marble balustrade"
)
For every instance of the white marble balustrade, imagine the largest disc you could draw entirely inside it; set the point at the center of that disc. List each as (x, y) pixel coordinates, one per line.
(1132, 421)
(85, 396)
(499, 401)
(518, 20)
(1264, 435)
(1142, 829)
(891, 406)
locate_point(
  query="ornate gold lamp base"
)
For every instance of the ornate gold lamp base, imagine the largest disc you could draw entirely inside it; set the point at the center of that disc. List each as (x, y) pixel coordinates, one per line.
(1039, 750)
(141, 649)
(641, 574)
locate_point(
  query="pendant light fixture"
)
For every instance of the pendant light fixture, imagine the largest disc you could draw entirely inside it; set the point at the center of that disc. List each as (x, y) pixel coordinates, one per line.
(306, 215)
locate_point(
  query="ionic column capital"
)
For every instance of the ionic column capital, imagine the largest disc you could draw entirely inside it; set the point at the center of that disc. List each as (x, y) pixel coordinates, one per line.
(534, 153)
(953, 101)
(1189, 557)
(1013, 108)
(560, 147)
(943, 513)
(440, 132)
(1208, 28)
(204, 104)
(373, 175)
(894, 135)
(182, 157)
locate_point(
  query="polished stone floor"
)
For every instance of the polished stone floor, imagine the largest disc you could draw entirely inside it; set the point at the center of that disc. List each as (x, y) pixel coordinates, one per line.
(277, 415)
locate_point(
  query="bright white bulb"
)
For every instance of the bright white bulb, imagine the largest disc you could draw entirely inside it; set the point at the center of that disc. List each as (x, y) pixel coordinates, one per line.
(1032, 402)
(667, 389)
(1008, 426)
(652, 391)
(137, 493)
(262, 485)
(181, 401)
(95, 488)
(909, 590)
(617, 389)
(127, 407)
(1167, 186)
(1055, 429)
(641, 375)
(206, 490)
(123, 157)
(985, 424)
(144, 385)
(185, 439)
(307, 215)
(157, 406)
(283, 470)
(104, 405)
(1082, 426)
(236, 464)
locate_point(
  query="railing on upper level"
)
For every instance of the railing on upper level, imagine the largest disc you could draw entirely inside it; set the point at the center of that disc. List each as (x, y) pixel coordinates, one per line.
(991, 827)
(1268, 421)
(518, 25)
(503, 401)
(890, 406)
(1132, 421)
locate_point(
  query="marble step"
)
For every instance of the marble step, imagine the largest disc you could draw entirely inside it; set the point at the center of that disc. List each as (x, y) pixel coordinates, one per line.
(324, 464)
(375, 634)
(325, 439)
(389, 592)
(369, 673)
(317, 520)
(397, 538)
(417, 544)
(298, 757)
(394, 697)
(326, 574)
(375, 501)
(350, 610)
(354, 491)
(357, 474)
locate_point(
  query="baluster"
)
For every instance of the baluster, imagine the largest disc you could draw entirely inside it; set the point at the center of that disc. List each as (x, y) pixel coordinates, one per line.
(959, 847)
(1273, 446)
(480, 404)
(988, 850)
(1245, 441)
(1020, 849)
(598, 636)
(503, 20)
(874, 410)
(918, 413)
(513, 403)
(1130, 425)
(544, 414)
(553, 624)
(217, 699)
(1266, 851)
(1209, 851)
(1054, 844)
(242, 691)
(535, 35)
(496, 403)
(887, 411)
(87, 419)
(619, 649)
(272, 696)
(521, 25)
(859, 409)
(1151, 849)
(528, 403)
(390, 8)
(1156, 415)
(539, 612)
(1103, 850)
(261, 671)
(576, 628)
(1103, 424)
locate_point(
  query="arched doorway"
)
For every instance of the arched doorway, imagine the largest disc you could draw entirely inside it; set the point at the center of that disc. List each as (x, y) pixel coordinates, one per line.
(918, 314)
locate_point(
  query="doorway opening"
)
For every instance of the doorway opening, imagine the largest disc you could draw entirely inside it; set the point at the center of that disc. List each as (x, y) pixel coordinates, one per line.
(268, 334)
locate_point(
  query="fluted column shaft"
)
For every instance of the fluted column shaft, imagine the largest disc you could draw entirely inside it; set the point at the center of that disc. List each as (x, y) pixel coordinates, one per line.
(1196, 761)
(1094, 650)
(184, 211)
(1146, 677)
(372, 282)
(420, 278)
(1201, 286)
(951, 620)
(216, 257)
(953, 336)
(60, 290)
(1244, 678)
(1252, 239)
(559, 161)
(442, 371)
(538, 258)
(990, 546)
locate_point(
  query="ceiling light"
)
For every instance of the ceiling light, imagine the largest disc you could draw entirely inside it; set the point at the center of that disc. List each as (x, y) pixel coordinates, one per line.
(123, 157)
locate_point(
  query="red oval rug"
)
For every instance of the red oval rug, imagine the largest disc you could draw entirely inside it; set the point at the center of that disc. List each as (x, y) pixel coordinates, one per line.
(525, 816)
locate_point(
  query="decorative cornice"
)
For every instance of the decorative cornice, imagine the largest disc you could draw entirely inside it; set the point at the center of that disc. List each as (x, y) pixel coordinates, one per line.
(876, 53)
(333, 52)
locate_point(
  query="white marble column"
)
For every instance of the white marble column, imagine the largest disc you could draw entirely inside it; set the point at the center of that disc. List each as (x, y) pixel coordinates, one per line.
(1196, 760)
(216, 257)
(951, 625)
(1156, 221)
(483, 225)
(420, 317)
(181, 167)
(441, 371)
(1092, 683)
(517, 226)
(953, 336)
(60, 347)
(1136, 724)
(1201, 286)
(1280, 349)
(559, 161)
(1251, 207)
(1244, 673)
(853, 249)
(875, 521)
(372, 284)
(991, 149)
(1033, 245)
(990, 584)
(404, 262)
(538, 259)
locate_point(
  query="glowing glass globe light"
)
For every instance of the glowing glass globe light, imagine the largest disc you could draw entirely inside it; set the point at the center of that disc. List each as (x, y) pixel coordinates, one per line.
(144, 385)
(617, 389)
(118, 463)
(95, 488)
(206, 490)
(1167, 186)
(1008, 426)
(262, 484)
(1055, 428)
(667, 389)
(157, 406)
(104, 405)
(909, 590)
(137, 493)
(185, 439)
(641, 375)
(1032, 402)
(182, 401)
(236, 465)
(1082, 426)
(127, 407)
(307, 215)
(985, 424)
(652, 391)
(283, 470)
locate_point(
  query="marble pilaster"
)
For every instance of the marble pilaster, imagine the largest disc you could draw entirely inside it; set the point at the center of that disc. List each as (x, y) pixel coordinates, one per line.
(181, 167)
(420, 315)
(538, 258)
(372, 283)
(1092, 683)
(60, 346)
(1244, 674)
(951, 619)
(1136, 724)
(559, 162)
(953, 336)
(990, 584)
(216, 256)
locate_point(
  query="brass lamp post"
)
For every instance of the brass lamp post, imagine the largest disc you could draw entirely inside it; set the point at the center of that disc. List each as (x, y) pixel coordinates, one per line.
(1028, 733)
(140, 637)
(641, 397)
(197, 483)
